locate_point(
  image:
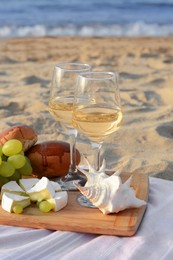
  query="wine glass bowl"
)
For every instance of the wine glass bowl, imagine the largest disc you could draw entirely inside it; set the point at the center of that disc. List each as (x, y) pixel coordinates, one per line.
(62, 90)
(60, 106)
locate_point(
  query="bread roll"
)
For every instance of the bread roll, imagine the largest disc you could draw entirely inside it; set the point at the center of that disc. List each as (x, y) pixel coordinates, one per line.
(51, 159)
(23, 133)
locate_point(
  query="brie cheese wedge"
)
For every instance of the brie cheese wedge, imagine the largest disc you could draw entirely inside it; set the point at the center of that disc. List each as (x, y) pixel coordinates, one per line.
(9, 200)
(12, 187)
(42, 190)
(56, 186)
(59, 201)
(27, 184)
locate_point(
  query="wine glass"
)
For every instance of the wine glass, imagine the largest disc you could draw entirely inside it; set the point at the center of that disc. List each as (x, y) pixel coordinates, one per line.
(97, 111)
(60, 107)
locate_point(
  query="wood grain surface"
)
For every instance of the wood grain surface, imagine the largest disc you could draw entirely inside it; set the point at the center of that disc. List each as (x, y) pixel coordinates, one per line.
(80, 219)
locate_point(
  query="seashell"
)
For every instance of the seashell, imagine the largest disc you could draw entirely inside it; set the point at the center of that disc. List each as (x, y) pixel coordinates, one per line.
(94, 176)
(108, 193)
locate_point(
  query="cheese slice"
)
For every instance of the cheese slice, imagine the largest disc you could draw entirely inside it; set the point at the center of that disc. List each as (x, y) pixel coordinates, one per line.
(59, 201)
(27, 184)
(12, 187)
(9, 200)
(42, 190)
(56, 186)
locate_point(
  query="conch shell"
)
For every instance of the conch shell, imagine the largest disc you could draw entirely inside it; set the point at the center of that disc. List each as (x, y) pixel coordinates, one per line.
(94, 176)
(108, 193)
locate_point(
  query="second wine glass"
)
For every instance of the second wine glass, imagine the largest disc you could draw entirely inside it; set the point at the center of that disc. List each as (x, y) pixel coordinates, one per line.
(97, 110)
(61, 107)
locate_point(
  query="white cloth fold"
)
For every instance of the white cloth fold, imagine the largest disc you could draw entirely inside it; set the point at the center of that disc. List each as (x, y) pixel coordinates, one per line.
(153, 240)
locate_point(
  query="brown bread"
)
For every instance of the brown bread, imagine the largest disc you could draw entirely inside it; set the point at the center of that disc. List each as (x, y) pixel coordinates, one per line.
(21, 132)
(51, 159)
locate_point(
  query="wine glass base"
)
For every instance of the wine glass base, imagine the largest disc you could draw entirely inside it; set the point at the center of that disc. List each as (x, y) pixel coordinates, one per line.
(83, 201)
(66, 182)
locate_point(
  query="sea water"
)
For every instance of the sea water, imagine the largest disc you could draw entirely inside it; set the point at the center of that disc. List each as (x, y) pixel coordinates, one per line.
(29, 18)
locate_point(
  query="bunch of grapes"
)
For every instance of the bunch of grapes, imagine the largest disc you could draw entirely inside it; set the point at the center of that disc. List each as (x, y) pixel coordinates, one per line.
(13, 162)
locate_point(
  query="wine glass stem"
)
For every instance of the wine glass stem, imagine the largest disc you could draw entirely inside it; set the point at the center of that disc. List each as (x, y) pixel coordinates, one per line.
(72, 167)
(97, 150)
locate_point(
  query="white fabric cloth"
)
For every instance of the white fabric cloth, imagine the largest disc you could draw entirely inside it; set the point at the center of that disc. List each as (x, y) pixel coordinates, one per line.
(153, 240)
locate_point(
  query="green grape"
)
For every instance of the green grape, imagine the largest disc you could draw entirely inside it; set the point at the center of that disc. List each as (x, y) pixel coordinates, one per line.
(0, 150)
(16, 176)
(17, 160)
(27, 168)
(45, 206)
(17, 209)
(3, 180)
(6, 169)
(22, 153)
(0, 160)
(12, 147)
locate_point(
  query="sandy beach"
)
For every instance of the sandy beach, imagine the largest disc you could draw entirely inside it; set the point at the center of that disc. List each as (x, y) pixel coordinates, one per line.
(144, 144)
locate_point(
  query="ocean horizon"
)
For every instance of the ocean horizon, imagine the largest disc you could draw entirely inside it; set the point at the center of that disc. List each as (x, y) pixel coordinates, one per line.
(131, 18)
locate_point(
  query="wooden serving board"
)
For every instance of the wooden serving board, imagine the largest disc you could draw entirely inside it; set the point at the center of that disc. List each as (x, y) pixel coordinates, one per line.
(80, 219)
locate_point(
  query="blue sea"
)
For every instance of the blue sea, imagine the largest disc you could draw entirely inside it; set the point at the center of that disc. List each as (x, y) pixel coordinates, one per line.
(31, 18)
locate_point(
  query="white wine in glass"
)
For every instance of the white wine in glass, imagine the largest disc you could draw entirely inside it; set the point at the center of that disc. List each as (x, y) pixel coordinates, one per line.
(61, 106)
(97, 111)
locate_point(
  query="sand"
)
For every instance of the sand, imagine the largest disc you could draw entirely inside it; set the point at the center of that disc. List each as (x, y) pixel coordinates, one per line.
(144, 144)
